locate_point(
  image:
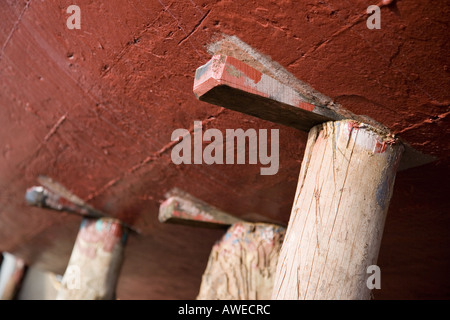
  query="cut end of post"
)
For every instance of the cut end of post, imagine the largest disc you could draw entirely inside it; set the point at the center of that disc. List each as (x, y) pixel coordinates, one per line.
(53, 195)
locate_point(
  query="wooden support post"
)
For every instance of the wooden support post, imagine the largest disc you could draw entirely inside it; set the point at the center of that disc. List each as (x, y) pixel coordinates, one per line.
(242, 265)
(95, 263)
(345, 184)
(12, 273)
(183, 208)
(337, 220)
(97, 256)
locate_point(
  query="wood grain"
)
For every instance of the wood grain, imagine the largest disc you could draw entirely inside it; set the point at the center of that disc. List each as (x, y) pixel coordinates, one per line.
(95, 263)
(338, 216)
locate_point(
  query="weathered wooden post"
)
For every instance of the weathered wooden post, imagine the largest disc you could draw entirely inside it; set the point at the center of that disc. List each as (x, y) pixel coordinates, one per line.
(98, 253)
(337, 220)
(12, 272)
(95, 263)
(345, 183)
(242, 264)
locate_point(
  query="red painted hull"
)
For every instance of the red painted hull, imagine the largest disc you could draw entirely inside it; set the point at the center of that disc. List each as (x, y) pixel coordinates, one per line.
(95, 108)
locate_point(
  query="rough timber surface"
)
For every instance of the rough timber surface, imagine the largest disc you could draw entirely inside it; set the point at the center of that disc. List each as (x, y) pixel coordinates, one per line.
(231, 83)
(242, 264)
(180, 210)
(337, 220)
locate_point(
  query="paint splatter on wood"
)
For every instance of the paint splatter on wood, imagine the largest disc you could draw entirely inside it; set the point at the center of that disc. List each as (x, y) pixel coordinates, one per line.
(242, 264)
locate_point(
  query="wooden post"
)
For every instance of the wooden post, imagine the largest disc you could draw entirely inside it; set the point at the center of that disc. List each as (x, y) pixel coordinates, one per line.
(337, 220)
(346, 179)
(242, 265)
(95, 263)
(12, 273)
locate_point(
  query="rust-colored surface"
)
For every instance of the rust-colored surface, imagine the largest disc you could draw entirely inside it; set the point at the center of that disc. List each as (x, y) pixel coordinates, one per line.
(95, 108)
